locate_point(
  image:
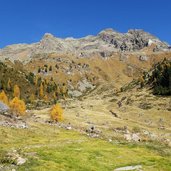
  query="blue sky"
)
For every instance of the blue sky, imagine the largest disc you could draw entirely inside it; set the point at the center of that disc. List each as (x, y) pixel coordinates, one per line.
(26, 21)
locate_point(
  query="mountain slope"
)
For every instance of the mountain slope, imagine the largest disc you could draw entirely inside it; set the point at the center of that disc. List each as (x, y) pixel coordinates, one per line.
(104, 44)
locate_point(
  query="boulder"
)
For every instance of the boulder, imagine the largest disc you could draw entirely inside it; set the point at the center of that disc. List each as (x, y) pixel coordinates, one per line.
(137, 168)
(132, 137)
(143, 58)
(16, 158)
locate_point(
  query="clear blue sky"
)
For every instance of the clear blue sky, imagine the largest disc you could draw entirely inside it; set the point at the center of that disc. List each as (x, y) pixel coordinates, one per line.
(26, 21)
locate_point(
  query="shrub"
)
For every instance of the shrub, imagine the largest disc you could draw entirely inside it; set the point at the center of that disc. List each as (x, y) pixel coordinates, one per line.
(50, 68)
(136, 129)
(39, 70)
(17, 106)
(57, 113)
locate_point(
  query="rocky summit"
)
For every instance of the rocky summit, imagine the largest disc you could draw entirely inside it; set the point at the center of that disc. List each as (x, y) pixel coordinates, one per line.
(104, 44)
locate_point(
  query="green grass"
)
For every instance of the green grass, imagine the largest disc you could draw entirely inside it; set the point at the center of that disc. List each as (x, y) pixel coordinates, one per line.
(56, 149)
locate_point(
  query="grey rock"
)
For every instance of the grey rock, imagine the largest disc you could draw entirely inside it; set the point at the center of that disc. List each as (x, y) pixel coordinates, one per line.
(74, 93)
(21, 161)
(136, 137)
(137, 167)
(16, 158)
(84, 85)
(3, 107)
(143, 58)
(132, 137)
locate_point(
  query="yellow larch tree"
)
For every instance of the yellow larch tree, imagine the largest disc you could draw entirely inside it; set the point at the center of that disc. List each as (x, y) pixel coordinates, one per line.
(57, 113)
(9, 87)
(3, 97)
(16, 91)
(17, 106)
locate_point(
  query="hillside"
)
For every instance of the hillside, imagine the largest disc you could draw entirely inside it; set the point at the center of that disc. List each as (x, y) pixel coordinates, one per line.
(10, 76)
(112, 95)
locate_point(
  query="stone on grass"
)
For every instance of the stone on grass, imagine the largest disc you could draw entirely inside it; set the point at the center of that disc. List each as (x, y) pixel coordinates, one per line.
(137, 168)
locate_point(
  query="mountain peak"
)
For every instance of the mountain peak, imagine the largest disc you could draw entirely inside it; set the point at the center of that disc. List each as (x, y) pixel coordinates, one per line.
(48, 36)
(108, 31)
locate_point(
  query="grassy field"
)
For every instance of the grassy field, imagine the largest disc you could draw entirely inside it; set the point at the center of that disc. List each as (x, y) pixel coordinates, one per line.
(50, 148)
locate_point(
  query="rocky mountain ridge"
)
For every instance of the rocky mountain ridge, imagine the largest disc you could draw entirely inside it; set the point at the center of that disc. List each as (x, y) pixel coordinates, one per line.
(103, 44)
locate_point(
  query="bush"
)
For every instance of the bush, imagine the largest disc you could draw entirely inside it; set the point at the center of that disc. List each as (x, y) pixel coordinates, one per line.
(57, 113)
(17, 106)
(136, 129)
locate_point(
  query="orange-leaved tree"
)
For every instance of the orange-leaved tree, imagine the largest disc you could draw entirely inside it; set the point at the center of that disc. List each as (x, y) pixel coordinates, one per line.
(3, 97)
(17, 106)
(57, 113)
(16, 91)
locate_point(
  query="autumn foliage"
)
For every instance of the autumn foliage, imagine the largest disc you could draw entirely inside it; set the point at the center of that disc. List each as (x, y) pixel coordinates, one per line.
(3, 97)
(9, 87)
(17, 106)
(57, 113)
(16, 91)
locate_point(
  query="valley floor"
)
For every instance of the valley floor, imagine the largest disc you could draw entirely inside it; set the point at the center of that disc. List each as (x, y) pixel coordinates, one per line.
(73, 145)
(51, 148)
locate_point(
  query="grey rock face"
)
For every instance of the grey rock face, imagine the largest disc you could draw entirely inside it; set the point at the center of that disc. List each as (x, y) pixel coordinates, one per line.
(131, 41)
(104, 44)
(84, 85)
